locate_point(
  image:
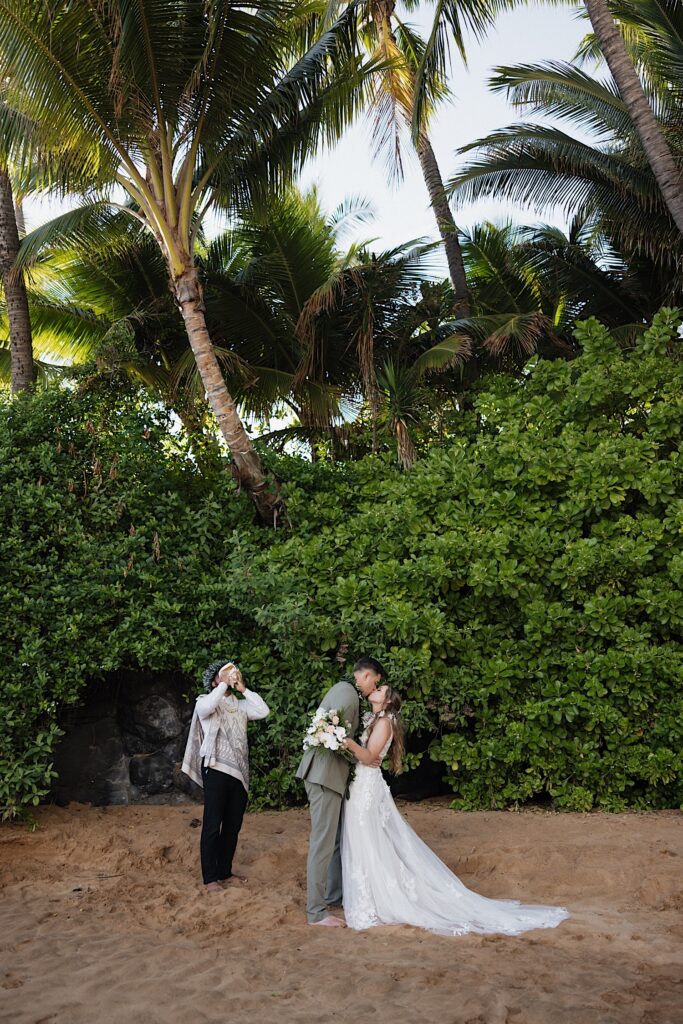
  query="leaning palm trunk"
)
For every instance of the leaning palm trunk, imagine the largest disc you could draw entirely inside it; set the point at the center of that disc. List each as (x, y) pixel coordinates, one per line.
(188, 294)
(21, 342)
(187, 107)
(657, 151)
(445, 222)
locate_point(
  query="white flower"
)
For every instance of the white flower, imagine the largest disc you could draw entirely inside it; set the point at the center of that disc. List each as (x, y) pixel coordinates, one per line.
(325, 731)
(679, 332)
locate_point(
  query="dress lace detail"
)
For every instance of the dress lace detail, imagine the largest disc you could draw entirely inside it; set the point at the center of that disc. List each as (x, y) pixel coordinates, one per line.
(392, 877)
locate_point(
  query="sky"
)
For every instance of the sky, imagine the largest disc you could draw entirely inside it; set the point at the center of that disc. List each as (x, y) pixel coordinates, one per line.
(526, 35)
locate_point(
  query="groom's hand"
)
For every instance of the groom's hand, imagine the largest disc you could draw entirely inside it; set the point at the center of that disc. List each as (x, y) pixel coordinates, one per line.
(377, 763)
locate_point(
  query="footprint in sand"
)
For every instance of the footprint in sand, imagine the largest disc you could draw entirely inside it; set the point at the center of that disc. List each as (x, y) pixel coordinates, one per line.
(11, 981)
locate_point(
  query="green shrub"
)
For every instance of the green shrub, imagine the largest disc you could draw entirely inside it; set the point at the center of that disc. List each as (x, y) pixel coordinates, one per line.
(522, 585)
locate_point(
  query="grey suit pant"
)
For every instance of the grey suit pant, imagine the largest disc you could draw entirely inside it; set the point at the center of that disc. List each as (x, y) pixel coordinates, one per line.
(324, 877)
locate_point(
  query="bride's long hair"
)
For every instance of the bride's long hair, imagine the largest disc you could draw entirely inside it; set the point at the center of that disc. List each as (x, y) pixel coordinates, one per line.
(391, 709)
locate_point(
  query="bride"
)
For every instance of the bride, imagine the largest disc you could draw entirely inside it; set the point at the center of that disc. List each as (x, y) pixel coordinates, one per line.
(390, 875)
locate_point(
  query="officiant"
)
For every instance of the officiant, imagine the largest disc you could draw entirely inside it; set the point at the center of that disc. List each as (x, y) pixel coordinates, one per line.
(217, 759)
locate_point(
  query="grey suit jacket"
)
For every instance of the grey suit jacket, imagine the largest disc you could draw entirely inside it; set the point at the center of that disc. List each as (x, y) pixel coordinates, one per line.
(323, 766)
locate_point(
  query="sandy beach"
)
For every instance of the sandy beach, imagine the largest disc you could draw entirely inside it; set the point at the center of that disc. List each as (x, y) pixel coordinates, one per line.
(104, 920)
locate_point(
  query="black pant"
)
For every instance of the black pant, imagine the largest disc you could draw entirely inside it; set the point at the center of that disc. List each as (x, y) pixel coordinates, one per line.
(225, 800)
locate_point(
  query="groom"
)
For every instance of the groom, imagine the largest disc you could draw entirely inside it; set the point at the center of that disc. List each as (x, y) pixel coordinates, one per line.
(325, 775)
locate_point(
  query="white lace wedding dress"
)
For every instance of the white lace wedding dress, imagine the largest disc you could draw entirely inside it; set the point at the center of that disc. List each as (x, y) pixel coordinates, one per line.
(392, 877)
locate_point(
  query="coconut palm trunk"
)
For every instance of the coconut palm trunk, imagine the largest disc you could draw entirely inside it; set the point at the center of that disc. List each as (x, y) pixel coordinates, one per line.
(187, 108)
(403, 87)
(445, 222)
(660, 158)
(21, 341)
(188, 293)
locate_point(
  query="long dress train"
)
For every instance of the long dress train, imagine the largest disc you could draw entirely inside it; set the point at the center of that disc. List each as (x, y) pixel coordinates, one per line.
(392, 877)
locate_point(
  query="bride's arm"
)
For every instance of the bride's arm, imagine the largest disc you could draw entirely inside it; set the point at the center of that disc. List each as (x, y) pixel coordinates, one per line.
(370, 754)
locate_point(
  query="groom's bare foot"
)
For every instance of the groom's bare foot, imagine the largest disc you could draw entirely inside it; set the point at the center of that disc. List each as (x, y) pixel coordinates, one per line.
(213, 887)
(328, 922)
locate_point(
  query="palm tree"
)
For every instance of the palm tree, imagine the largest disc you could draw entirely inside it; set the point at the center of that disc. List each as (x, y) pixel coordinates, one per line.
(530, 284)
(664, 167)
(606, 184)
(407, 93)
(101, 295)
(652, 31)
(183, 106)
(259, 278)
(660, 20)
(375, 321)
(21, 366)
(277, 288)
(408, 399)
(16, 302)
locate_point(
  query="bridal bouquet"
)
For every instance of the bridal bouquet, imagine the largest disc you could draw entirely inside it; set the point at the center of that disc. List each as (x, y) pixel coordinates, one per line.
(327, 731)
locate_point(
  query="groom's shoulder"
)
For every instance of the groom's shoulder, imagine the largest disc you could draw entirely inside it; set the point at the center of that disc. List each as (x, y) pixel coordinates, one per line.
(344, 686)
(348, 682)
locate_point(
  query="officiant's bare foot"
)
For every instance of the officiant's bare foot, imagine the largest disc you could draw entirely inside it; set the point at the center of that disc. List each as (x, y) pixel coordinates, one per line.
(213, 887)
(328, 922)
(232, 879)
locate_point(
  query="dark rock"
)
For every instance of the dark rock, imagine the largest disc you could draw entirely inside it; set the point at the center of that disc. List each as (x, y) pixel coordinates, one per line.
(125, 741)
(90, 760)
(153, 720)
(152, 773)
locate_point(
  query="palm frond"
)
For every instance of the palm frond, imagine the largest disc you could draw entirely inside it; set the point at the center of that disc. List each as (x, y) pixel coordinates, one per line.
(452, 23)
(85, 225)
(452, 350)
(540, 167)
(560, 90)
(350, 213)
